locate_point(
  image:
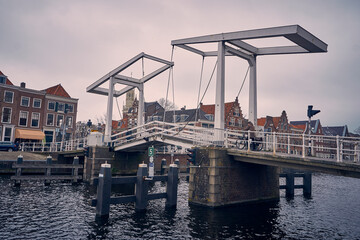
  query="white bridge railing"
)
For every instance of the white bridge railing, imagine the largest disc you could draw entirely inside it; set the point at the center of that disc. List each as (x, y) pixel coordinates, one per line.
(69, 145)
(324, 147)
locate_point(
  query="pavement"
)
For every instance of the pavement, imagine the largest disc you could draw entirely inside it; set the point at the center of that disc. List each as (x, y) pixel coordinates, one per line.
(26, 156)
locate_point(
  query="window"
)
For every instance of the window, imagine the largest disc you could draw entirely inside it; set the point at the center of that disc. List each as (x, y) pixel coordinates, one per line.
(23, 118)
(209, 117)
(51, 105)
(6, 115)
(60, 107)
(36, 103)
(35, 118)
(9, 96)
(236, 111)
(50, 119)
(69, 122)
(7, 133)
(232, 121)
(183, 117)
(2, 80)
(25, 101)
(70, 108)
(176, 118)
(59, 120)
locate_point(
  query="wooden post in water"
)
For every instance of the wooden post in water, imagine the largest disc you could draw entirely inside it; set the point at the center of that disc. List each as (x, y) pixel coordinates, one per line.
(172, 186)
(18, 170)
(290, 184)
(307, 182)
(103, 192)
(162, 167)
(141, 188)
(75, 171)
(48, 170)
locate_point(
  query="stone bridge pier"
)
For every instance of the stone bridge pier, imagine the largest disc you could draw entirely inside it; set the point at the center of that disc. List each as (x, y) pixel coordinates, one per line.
(217, 180)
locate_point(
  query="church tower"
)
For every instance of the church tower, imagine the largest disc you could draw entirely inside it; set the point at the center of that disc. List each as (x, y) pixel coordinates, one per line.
(130, 97)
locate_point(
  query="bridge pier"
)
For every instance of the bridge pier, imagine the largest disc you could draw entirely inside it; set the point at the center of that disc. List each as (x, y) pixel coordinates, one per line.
(217, 180)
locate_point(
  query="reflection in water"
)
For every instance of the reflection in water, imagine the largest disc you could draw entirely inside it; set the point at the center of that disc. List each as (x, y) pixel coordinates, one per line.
(62, 211)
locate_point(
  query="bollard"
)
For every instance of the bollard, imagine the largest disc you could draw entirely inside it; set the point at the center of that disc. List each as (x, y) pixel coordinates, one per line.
(75, 171)
(307, 182)
(141, 188)
(19, 170)
(162, 167)
(172, 185)
(48, 170)
(103, 193)
(177, 162)
(290, 182)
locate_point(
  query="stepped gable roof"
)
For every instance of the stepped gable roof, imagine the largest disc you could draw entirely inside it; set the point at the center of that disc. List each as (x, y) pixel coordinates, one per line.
(8, 82)
(57, 90)
(334, 131)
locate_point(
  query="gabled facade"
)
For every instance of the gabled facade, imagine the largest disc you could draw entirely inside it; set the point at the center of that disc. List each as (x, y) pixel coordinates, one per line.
(34, 115)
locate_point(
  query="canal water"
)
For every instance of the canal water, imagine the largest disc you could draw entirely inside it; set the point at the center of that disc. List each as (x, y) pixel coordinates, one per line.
(62, 211)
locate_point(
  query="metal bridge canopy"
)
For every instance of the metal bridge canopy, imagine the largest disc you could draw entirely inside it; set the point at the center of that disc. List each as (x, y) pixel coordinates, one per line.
(115, 78)
(233, 44)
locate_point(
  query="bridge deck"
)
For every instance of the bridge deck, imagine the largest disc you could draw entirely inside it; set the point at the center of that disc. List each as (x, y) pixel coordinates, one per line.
(329, 166)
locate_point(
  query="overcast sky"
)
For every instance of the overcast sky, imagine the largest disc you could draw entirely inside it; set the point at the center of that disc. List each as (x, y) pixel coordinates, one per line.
(44, 43)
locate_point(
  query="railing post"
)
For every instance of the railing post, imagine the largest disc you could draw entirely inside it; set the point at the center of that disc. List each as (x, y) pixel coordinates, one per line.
(274, 143)
(18, 170)
(103, 192)
(226, 138)
(33, 147)
(75, 171)
(307, 182)
(249, 141)
(356, 154)
(172, 186)
(341, 150)
(162, 166)
(48, 170)
(289, 144)
(23, 146)
(338, 148)
(303, 145)
(141, 188)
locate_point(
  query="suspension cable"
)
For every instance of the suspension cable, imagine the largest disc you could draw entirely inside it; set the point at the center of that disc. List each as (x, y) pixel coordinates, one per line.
(168, 84)
(201, 73)
(243, 81)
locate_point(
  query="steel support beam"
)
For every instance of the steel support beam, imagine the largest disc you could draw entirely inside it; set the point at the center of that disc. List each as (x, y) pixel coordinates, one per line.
(219, 123)
(253, 93)
(140, 119)
(108, 127)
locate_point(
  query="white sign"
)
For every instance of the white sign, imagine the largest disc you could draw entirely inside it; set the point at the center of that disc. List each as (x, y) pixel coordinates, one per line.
(151, 169)
(151, 159)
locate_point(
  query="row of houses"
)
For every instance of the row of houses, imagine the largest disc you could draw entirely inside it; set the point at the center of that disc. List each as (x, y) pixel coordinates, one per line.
(322, 138)
(27, 115)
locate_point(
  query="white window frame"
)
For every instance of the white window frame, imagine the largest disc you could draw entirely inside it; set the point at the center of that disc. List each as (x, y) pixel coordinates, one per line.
(27, 118)
(53, 109)
(12, 98)
(0, 133)
(58, 120)
(72, 106)
(58, 109)
(2, 115)
(21, 101)
(32, 118)
(53, 120)
(67, 122)
(35, 99)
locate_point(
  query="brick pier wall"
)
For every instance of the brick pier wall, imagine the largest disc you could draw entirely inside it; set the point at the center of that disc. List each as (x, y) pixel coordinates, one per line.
(221, 181)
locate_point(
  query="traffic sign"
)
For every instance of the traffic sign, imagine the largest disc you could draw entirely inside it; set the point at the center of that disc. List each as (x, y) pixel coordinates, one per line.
(151, 151)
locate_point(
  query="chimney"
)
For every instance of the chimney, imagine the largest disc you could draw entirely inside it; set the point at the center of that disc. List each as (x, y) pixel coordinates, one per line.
(22, 85)
(183, 108)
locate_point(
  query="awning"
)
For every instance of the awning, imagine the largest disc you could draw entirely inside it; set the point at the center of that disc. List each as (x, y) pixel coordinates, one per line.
(29, 134)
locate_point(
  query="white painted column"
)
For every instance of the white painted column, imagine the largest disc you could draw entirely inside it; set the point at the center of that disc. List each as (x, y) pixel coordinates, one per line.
(253, 93)
(140, 118)
(220, 96)
(107, 137)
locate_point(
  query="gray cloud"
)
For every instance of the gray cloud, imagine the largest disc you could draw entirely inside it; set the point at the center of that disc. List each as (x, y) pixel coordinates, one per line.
(75, 42)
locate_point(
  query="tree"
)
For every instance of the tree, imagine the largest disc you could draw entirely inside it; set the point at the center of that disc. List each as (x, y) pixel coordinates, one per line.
(169, 105)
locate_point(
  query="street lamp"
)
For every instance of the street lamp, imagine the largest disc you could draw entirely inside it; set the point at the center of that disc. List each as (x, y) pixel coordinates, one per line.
(310, 113)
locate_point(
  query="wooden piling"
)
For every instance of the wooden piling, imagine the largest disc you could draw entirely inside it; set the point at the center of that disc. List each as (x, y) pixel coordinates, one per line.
(307, 182)
(103, 192)
(172, 186)
(75, 171)
(18, 170)
(48, 170)
(141, 188)
(290, 184)
(162, 167)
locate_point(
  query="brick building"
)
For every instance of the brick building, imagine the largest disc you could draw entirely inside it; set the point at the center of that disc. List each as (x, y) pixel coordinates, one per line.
(35, 115)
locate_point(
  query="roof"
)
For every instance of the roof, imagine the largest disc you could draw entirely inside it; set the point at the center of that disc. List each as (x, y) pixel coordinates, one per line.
(335, 131)
(8, 82)
(210, 108)
(57, 90)
(303, 124)
(261, 121)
